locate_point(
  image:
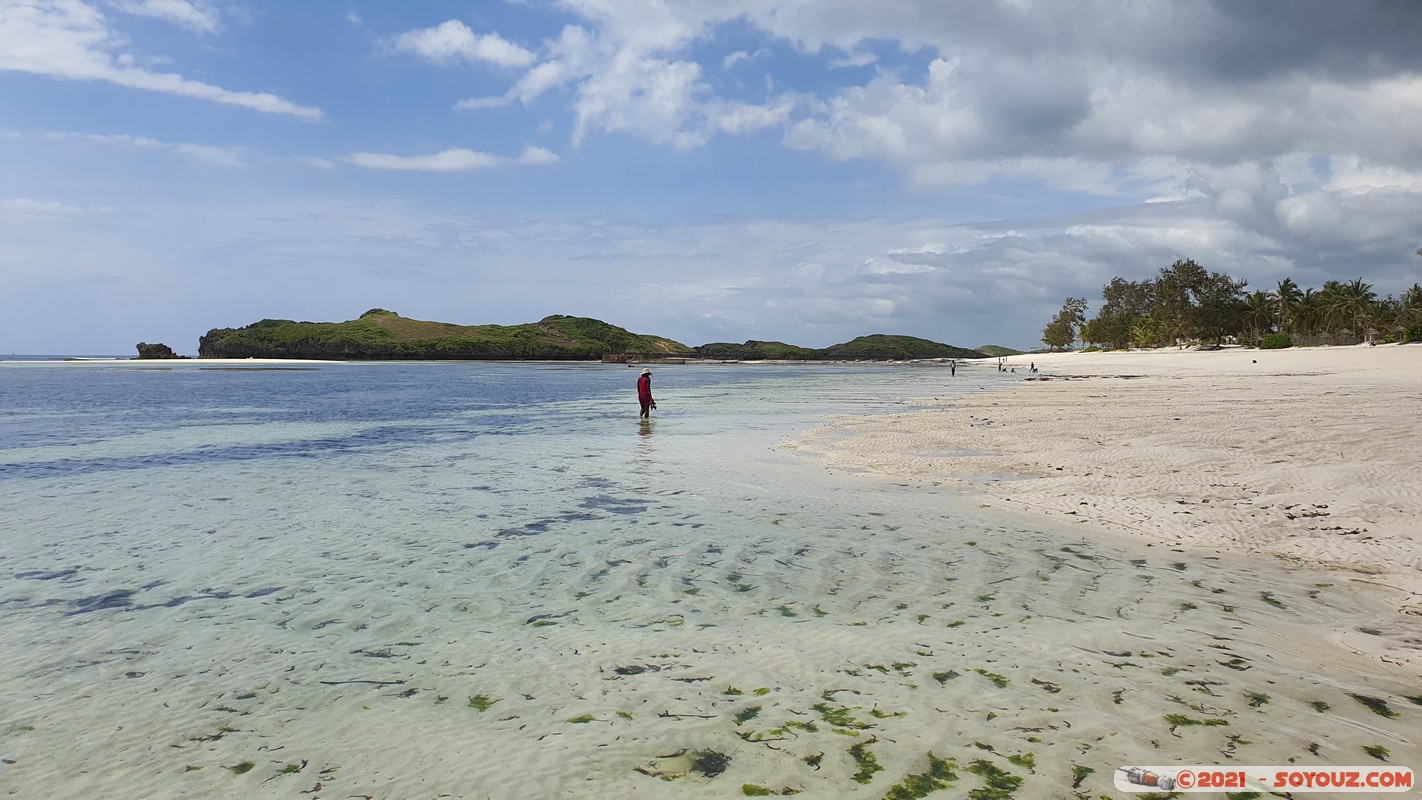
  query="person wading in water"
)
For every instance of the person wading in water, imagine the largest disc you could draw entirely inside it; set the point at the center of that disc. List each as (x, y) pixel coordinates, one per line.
(644, 393)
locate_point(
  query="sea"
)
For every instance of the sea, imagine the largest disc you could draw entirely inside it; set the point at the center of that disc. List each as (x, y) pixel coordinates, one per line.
(488, 580)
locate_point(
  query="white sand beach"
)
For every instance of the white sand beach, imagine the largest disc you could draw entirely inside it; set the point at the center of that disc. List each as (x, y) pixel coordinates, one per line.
(1309, 454)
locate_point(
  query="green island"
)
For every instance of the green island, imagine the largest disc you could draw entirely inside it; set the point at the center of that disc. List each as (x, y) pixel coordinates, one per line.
(381, 335)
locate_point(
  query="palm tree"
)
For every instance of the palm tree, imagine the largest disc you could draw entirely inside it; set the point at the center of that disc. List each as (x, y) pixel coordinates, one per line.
(1357, 304)
(1285, 299)
(1306, 313)
(1144, 332)
(1332, 307)
(1411, 316)
(1258, 313)
(1413, 298)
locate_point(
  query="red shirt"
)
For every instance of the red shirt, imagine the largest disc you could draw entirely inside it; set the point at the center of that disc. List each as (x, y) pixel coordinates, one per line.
(644, 389)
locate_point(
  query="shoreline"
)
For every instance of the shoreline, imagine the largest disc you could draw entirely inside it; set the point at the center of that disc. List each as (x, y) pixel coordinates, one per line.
(1300, 454)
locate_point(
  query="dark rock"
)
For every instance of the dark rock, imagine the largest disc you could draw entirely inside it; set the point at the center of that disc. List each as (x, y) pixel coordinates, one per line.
(159, 350)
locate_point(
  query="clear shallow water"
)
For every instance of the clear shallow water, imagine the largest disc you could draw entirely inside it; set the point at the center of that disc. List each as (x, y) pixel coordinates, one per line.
(319, 567)
(145, 454)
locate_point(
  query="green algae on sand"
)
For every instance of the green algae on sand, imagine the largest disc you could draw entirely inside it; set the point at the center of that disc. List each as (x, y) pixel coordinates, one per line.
(939, 775)
(481, 702)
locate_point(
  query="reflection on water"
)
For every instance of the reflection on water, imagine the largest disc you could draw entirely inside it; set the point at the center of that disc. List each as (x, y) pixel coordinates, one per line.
(644, 454)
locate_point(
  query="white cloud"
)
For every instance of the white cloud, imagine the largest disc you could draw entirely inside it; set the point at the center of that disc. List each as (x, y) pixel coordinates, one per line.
(200, 17)
(624, 87)
(894, 265)
(1363, 206)
(25, 206)
(861, 59)
(1352, 175)
(211, 154)
(218, 156)
(575, 55)
(72, 40)
(453, 160)
(650, 97)
(622, 81)
(741, 118)
(735, 58)
(454, 41)
(1083, 97)
(538, 155)
(476, 103)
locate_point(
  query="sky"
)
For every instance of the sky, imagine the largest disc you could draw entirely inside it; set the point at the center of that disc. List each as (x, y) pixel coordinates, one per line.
(804, 171)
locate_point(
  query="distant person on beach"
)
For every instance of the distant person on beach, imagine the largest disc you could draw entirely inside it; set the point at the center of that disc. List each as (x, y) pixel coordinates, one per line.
(644, 393)
(952, 368)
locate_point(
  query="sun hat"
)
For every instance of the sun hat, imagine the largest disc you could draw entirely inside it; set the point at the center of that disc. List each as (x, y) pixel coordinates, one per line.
(646, 371)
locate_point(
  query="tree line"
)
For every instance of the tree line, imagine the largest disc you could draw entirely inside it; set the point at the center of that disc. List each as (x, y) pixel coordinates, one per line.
(1187, 302)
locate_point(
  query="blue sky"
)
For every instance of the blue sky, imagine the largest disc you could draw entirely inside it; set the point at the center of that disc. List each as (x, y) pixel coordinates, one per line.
(796, 170)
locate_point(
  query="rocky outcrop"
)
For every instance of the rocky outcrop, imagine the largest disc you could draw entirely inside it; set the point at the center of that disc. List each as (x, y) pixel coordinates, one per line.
(158, 350)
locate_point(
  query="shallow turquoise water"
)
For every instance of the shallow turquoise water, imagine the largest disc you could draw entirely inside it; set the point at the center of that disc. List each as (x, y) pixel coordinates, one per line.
(153, 459)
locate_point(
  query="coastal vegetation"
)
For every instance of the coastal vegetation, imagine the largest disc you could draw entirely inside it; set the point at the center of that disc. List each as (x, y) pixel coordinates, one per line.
(1186, 302)
(754, 350)
(901, 347)
(998, 351)
(873, 347)
(384, 335)
(379, 335)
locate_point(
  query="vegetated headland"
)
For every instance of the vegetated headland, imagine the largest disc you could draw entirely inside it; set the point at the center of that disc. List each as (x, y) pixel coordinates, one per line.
(380, 335)
(1186, 303)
